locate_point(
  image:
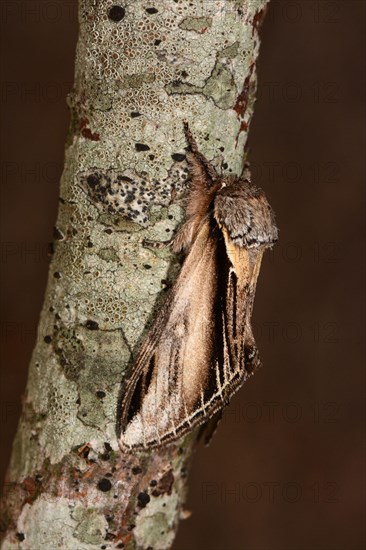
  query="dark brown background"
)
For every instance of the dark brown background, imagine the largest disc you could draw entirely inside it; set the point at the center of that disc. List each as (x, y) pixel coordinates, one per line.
(286, 468)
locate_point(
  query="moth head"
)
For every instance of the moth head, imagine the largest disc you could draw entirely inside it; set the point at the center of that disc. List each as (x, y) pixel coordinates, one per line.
(242, 208)
(238, 205)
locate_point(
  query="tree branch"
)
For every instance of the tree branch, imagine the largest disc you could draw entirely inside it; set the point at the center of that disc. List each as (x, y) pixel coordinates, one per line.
(140, 71)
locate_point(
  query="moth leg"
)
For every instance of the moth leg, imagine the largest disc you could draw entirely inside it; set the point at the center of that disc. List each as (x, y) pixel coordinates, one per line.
(252, 360)
(209, 429)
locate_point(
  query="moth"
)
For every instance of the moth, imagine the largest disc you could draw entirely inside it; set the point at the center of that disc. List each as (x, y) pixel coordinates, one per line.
(201, 347)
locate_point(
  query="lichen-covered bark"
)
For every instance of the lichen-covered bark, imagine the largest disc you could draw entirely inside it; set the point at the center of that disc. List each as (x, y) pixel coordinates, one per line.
(140, 70)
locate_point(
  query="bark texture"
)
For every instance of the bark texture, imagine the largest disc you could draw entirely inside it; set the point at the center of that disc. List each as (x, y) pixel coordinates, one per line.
(141, 68)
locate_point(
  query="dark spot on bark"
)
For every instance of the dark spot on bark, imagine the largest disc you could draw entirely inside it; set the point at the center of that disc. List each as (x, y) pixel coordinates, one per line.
(141, 147)
(57, 275)
(135, 114)
(151, 157)
(57, 235)
(91, 325)
(136, 470)
(104, 485)
(184, 74)
(131, 527)
(176, 83)
(153, 483)
(143, 499)
(242, 99)
(88, 134)
(225, 165)
(116, 13)
(20, 536)
(78, 401)
(31, 487)
(222, 148)
(178, 157)
(100, 394)
(90, 244)
(93, 180)
(120, 545)
(147, 266)
(47, 339)
(151, 11)
(108, 231)
(258, 19)
(157, 42)
(165, 484)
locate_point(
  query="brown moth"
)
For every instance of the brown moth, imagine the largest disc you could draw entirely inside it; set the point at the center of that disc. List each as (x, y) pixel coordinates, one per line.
(201, 347)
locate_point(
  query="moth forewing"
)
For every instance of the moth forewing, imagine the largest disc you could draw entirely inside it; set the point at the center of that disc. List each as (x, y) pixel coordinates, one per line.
(180, 334)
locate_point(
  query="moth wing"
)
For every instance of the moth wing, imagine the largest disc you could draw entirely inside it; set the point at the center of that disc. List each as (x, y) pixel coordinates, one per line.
(172, 362)
(193, 359)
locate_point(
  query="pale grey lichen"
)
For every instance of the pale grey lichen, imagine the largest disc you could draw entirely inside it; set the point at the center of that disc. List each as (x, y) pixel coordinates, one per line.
(58, 520)
(154, 523)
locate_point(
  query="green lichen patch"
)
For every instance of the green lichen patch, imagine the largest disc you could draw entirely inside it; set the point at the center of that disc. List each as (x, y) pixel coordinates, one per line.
(220, 87)
(196, 24)
(137, 80)
(92, 526)
(230, 52)
(70, 351)
(119, 223)
(108, 254)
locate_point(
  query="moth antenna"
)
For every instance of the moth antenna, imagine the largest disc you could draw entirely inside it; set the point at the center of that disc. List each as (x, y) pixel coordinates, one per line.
(201, 170)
